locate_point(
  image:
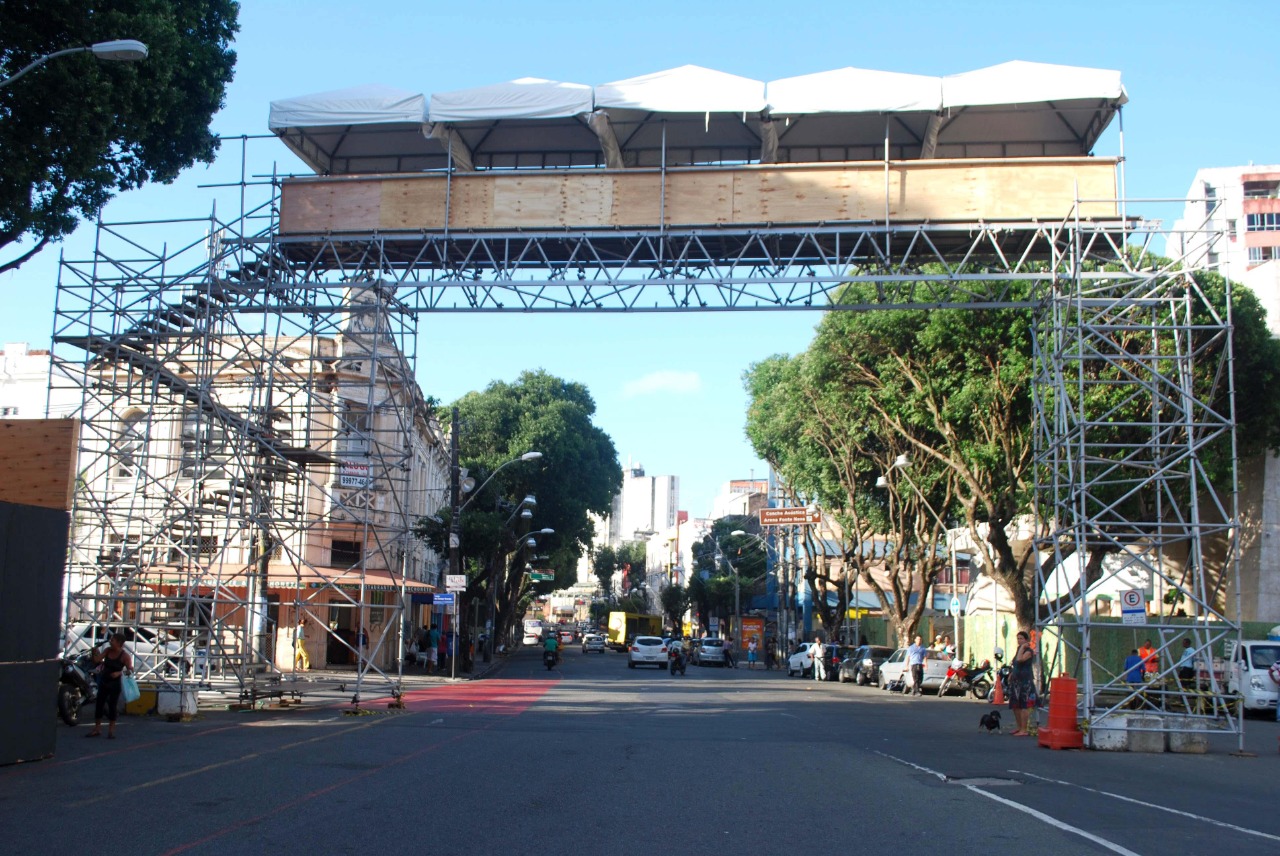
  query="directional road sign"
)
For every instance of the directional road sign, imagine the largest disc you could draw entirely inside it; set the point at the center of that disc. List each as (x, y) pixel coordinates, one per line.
(541, 578)
(796, 516)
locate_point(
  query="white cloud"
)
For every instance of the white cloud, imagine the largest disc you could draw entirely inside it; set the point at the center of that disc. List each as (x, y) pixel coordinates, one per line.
(668, 382)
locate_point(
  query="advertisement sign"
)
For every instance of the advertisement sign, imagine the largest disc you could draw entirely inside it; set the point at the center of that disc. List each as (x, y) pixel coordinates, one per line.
(751, 627)
(455, 582)
(355, 475)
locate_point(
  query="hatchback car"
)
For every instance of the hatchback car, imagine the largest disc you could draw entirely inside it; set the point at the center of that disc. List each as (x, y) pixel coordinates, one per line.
(647, 651)
(801, 662)
(592, 642)
(862, 665)
(153, 653)
(711, 651)
(566, 637)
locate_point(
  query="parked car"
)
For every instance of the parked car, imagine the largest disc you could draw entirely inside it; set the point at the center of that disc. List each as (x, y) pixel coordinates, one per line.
(566, 636)
(801, 660)
(711, 650)
(152, 652)
(592, 642)
(894, 669)
(862, 664)
(647, 651)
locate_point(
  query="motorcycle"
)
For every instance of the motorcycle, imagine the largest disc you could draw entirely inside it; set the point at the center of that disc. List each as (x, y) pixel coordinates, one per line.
(971, 679)
(549, 659)
(76, 687)
(676, 661)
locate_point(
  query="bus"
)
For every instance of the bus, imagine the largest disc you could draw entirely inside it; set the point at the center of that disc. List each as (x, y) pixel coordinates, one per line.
(532, 631)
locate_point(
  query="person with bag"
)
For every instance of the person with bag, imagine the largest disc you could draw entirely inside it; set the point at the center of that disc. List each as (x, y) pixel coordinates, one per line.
(113, 664)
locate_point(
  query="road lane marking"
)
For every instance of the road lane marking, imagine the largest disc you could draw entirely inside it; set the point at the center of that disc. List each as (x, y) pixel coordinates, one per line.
(1053, 821)
(1156, 806)
(1038, 815)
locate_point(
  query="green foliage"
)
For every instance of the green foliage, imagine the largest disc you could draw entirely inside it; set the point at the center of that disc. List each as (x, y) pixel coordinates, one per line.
(604, 564)
(675, 602)
(77, 130)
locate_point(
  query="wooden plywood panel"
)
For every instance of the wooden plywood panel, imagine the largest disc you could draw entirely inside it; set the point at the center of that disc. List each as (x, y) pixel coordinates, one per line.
(637, 200)
(38, 459)
(552, 200)
(471, 202)
(697, 198)
(308, 207)
(410, 204)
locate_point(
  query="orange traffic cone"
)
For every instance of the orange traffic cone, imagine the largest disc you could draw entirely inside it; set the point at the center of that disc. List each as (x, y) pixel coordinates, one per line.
(998, 698)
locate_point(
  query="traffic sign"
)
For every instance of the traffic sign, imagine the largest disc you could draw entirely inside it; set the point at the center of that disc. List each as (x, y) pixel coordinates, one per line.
(795, 516)
(1133, 606)
(955, 606)
(541, 578)
(444, 599)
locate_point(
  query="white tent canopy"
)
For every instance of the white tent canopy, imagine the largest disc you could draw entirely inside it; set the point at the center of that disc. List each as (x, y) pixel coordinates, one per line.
(692, 115)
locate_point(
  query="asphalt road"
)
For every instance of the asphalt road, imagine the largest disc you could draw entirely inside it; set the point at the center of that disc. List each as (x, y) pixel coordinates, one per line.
(594, 757)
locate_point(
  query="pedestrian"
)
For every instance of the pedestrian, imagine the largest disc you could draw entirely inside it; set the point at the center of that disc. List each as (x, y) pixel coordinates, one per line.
(752, 647)
(432, 647)
(113, 663)
(1150, 660)
(1187, 666)
(729, 659)
(819, 653)
(1022, 691)
(442, 651)
(947, 647)
(300, 658)
(362, 640)
(770, 653)
(916, 653)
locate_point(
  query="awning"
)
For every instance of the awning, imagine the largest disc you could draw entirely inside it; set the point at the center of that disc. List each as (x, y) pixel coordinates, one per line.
(285, 578)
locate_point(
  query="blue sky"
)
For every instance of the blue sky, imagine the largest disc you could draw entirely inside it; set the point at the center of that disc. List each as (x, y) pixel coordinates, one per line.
(668, 387)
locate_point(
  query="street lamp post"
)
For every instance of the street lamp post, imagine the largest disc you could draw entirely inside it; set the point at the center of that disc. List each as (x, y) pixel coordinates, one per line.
(118, 50)
(900, 463)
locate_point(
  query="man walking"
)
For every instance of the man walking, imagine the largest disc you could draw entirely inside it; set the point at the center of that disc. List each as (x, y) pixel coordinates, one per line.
(300, 659)
(819, 653)
(915, 659)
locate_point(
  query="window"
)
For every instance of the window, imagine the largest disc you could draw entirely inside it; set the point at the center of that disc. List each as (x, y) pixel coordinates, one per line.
(1269, 222)
(377, 608)
(128, 444)
(345, 554)
(8, 411)
(1231, 229)
(353, 432)
(203, 440)
(1258, 255)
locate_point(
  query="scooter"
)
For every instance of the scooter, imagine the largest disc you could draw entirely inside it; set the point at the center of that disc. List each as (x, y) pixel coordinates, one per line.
(76, 687)
(676, 661)
(971, 679)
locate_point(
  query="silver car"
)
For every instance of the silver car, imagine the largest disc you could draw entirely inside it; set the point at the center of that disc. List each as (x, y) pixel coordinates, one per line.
(711, 651)
(592, 642)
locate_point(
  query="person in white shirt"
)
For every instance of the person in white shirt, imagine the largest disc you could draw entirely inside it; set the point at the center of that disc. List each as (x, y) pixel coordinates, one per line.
(819, 654)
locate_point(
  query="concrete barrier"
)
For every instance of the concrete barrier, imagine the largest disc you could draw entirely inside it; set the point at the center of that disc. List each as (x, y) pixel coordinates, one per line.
(1110, 734)
(1193, 739)
(176, 703)
(1146, 741)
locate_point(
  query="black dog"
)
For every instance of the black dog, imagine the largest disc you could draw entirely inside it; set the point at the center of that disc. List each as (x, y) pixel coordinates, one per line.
(991, 722)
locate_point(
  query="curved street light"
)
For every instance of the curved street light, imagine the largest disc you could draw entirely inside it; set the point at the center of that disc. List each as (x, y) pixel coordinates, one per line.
(117, 50)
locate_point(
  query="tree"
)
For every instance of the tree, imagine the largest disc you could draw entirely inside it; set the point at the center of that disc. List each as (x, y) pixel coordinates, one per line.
(577, 475)
(954, 390)
(675, 603)
(604, 564)
(77, 130)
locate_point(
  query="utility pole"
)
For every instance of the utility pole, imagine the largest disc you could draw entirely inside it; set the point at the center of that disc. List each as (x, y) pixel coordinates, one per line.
(455, 529)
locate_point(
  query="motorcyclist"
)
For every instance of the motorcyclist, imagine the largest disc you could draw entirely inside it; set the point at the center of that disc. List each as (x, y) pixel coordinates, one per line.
(552, 644)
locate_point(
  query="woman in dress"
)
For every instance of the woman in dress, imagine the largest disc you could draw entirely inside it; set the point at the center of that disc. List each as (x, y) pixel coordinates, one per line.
(1022, 693)
(112, 664)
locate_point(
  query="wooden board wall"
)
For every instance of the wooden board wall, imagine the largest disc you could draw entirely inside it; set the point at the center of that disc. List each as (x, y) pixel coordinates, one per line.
(912, 191)
(38, 461)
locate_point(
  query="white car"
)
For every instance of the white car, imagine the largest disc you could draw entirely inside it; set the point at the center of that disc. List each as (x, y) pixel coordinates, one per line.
(801, 661)
(647, 651)
(152, 654)
(895, 668)
(592, 642)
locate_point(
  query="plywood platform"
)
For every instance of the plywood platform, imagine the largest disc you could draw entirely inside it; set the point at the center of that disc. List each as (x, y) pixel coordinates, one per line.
(962, 191)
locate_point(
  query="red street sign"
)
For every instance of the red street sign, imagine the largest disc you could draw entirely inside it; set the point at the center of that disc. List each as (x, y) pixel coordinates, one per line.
(797, 516)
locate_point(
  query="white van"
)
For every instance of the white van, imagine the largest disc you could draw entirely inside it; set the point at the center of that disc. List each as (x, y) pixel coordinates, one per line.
(1254, 672)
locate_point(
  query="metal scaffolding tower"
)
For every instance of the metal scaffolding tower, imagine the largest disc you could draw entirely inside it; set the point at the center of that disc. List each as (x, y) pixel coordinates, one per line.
(225, 396)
